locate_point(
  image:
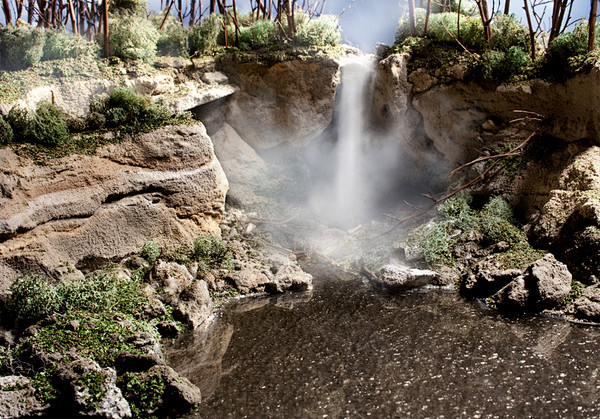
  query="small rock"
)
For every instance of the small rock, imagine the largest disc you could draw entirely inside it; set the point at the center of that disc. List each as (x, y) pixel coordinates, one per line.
(397, 278)
(17, 398)
(248, 280)
(490, 125)
(588, 304)
(513, 298)
(214, 77)
(549, 280)
(289, 278)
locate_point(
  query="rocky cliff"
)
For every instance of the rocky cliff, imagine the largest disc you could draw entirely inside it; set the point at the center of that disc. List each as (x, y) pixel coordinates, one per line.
(165, 186)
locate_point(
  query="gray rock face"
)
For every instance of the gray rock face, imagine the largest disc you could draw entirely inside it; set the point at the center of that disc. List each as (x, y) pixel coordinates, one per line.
(513, 298)
(550, 281)
(104, 400)
(287, 276)
(180, 394)
(165, 186)
(286, 102)
(397, 278)
(17, 398)
(543, 285)
(588, 304)
(485, 279)
(189, 297)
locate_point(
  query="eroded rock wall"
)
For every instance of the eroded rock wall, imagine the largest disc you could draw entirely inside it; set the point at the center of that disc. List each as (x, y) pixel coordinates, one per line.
(166, 186)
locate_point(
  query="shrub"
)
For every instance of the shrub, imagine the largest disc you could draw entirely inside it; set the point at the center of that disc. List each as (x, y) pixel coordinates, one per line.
(172, 37)
(133, 38)
(437, 244)
(324, 30)
(458, 212)
(20, 47)
(150, 252)
(211, 252)
(508, 33)
(142, 391)
(48, 126)
(6, 132)
(125, 106)
(499, 65)
(563, 51)
(32, 298)
(261, 34)
(20, 121)
(95, 120)
(59, 44)
(498, 207)
(203, 37)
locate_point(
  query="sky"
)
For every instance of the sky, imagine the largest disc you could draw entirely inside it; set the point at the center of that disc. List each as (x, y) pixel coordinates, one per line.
(366, 22)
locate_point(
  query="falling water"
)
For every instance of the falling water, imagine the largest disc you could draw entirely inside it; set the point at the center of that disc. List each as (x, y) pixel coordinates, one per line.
(351, 194)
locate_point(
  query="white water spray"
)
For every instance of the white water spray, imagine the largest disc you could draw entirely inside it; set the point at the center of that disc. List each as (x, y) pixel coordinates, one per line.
(351, 194)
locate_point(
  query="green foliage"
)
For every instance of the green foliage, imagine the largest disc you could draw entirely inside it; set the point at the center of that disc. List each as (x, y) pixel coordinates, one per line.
(261, 34)
(499, 65)
(100, 336)
(211, 252)
(93, 387)
(566, 52)
(32, 298)
(458, 212)
(507, 33)
(499, 208)
(6, 132)
(18, 118)
(150, 251)
(437, 245)
(577, 289)
(203, 37)
(126, 107)
(323, 30)
(20, 47)
(142, 391)
(133, 38)
(496, 230)
(182, 255)
(45, 388)
(48, 126)
(172, 37)
(60, 44)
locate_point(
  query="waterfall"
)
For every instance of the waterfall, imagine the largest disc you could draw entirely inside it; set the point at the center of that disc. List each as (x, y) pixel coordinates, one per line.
(350, 196)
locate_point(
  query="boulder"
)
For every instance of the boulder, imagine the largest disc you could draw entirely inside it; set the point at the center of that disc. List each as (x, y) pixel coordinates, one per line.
(17, 398)
(248, 280)
(180, 395)
(549, 280)
(174, 285)
(587, 305)
(166, 186)
(282, 102)
(485, 279)
(91, 390)
(398, 278)
(513, 298)
(289, 277)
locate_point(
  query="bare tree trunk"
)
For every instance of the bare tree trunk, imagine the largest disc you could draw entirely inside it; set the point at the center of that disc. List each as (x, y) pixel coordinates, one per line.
(105, 27)
(427, 13)
(7, 12)
(531, 31)
(30, 11)
(72, 15)
(411, 17)
(192, 12)
(592, 26)
(507, 7)
(485, 19)
(213, 6)
(558, 13)
(458, 21)
(290, 20)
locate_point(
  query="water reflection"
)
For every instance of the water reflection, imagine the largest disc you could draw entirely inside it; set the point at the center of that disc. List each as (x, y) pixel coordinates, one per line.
(346, 351)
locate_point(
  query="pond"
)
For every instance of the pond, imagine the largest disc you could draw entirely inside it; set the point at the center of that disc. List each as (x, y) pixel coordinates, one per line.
(345, 350)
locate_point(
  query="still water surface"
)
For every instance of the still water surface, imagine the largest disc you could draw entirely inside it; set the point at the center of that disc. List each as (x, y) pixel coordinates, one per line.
(344, 350)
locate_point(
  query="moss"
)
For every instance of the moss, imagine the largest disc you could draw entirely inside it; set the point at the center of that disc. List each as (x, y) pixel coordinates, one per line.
(520, 256)
(45, 387)
(210, 252)
(94, 388)
(577, 289)
(6, 132)
(182, 255)
(150, 252)
(101, 336)
(142, 391)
